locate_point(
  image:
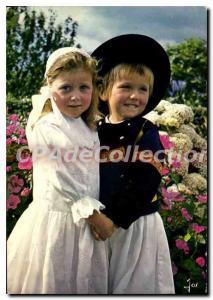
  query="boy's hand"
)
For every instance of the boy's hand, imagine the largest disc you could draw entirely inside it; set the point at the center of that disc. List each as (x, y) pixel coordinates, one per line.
(95, 234)
(101, 226)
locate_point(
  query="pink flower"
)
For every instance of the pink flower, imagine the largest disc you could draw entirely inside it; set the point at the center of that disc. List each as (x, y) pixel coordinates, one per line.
(200, 261)
(172, 196)
(13, 118)
(9, 141)
(10, 129)
(175, 162)
(25, 192)
(21, 131)
(169, 219)
(179, 198)
(15, 184)
(26, 163)
(12, 202)
(165, 171)
(168, 195)
(167, 144)
(198, 228)
(8, 168)
(22, 141)
(182, 245)
(174, 268)
(202, 198)
(166, 205)
(185, 214)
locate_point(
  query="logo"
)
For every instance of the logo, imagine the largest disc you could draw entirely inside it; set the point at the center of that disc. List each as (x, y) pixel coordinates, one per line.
(190, 285)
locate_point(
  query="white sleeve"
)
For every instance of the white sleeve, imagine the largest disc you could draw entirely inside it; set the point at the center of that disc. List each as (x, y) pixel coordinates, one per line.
(84, 208)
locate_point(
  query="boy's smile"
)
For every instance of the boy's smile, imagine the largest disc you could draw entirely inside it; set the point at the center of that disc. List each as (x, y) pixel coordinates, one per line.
(128, 97)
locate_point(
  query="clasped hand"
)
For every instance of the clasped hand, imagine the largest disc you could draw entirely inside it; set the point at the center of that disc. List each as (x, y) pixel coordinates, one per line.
(101, 226)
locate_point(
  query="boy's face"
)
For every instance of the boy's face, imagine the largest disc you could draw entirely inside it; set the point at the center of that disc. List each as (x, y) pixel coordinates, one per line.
(128, 98)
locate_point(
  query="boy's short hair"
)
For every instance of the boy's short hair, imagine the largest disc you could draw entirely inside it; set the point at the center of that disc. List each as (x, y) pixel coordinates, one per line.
(126, 69)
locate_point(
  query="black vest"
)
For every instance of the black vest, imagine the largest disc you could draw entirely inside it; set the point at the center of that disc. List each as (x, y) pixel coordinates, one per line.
(128, 180)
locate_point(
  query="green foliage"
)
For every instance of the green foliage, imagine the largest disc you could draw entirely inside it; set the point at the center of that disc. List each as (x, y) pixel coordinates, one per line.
(189, 72)
(31, 37)
(21, 107)
(189, 65)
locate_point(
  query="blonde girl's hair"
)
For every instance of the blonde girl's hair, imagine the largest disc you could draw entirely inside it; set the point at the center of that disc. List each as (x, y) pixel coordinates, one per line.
(125, 70)
(70, 62)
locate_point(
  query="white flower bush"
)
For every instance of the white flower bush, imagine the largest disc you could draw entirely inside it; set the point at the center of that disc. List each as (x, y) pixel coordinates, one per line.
(175, 120)
(183, 193)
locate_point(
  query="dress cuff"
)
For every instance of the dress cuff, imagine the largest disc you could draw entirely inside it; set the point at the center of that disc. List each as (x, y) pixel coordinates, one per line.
(84, 207)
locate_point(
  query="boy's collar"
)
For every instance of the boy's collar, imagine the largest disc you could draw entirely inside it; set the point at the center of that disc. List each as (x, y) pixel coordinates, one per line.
(107, 120)
(136, 119)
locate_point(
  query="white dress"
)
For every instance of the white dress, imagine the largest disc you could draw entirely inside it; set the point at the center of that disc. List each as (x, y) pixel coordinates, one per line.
(51, 249)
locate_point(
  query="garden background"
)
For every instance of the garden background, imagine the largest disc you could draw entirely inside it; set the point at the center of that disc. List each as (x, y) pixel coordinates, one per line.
(181, 118)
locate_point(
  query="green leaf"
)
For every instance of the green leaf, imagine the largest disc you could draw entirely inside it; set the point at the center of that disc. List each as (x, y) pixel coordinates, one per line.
(188, 264)
(200, 239)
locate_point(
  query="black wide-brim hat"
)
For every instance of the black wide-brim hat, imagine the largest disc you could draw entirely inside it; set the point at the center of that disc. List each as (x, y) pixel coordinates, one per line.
(136, 48)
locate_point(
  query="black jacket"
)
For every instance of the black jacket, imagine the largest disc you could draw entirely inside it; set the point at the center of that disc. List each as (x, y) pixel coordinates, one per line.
(127, 184)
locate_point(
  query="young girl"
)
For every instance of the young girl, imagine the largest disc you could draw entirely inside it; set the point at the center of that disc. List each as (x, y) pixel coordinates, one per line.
(136, 73)
(51, 249)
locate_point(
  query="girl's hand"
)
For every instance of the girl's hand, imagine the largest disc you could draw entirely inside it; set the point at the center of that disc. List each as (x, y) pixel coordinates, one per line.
(101, 226)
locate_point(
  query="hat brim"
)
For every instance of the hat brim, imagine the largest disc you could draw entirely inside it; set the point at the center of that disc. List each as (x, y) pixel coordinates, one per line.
(136, 48)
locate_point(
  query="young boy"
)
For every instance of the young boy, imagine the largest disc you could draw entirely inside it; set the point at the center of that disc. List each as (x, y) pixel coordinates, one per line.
(136, 71)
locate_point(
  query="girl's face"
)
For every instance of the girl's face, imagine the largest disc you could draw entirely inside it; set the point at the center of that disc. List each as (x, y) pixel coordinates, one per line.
(72, 92)
(128, 97)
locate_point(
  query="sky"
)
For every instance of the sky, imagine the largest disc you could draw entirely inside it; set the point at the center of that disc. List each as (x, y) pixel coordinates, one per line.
(166, 24)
